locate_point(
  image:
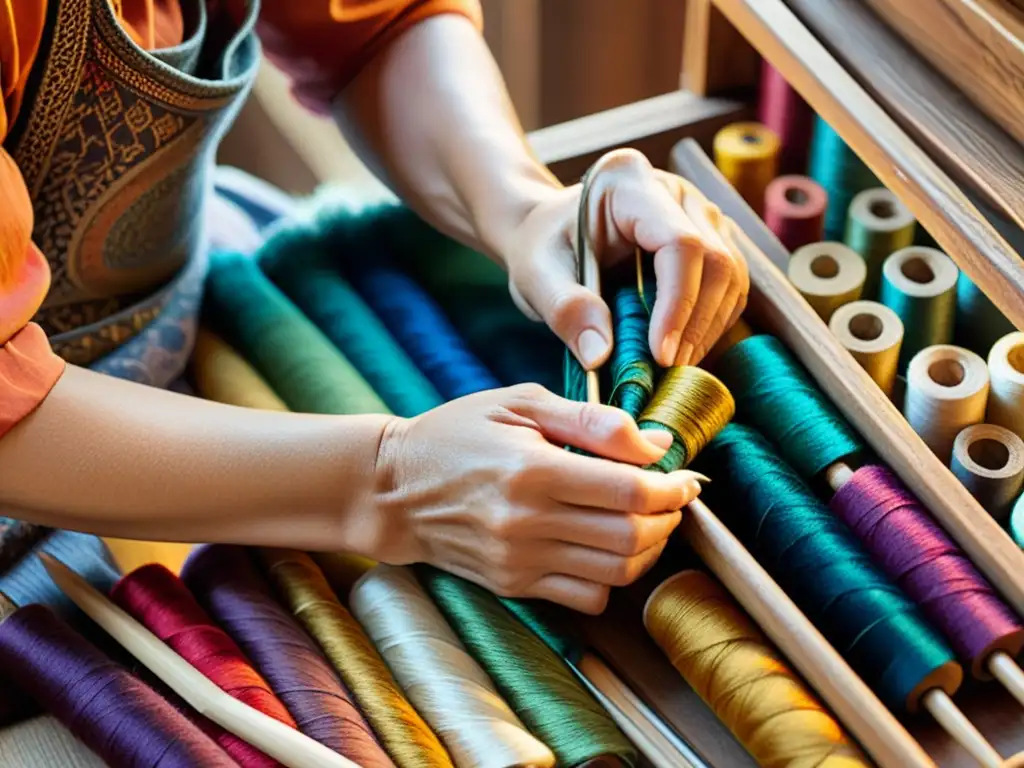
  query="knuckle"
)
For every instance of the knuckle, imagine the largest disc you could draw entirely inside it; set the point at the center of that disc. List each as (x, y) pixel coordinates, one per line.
(628, 160)
(603, 422)
(632, 541)
(529, 392)
(595, 601)
(501, 554)
(509, 584)
(566, 306)
(633, 495)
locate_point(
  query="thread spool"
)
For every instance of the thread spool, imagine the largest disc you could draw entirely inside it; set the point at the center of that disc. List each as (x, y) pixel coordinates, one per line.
(631, 363)
(1006, 374)
(989, 461)
(439, 676)
(828, 275)
(919, 285)
(223, 375)
(947, 391)
(43, 742)
(839, 172)
(878, 225)
(979, 323)
(873, 334)
(1017, 521)
(794, 209)
(783, 110)
(401, 730)
(747, 154)
(724, 657)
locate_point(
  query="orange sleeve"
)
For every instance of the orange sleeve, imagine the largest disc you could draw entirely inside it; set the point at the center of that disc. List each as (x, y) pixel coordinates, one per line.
(322, 44)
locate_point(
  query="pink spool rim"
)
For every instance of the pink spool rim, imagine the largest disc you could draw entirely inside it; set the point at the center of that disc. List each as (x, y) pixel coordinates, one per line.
(795, 197)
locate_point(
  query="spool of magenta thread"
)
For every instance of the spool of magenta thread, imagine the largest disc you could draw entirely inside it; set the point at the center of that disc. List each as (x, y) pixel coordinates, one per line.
(784, 111)
(921, 558)
(116, 715)
(794, 209)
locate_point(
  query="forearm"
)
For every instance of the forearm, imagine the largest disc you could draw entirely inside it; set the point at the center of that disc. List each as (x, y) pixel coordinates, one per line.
(115, 458)
(432, 117)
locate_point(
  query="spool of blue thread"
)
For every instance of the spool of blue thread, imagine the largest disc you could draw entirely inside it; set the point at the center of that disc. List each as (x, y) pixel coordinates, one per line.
(979, 324)
(840, 172)
(1017, 522)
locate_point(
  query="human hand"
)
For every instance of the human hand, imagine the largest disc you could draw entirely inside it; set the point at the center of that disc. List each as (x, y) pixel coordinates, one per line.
(483, 488)
(701, 276)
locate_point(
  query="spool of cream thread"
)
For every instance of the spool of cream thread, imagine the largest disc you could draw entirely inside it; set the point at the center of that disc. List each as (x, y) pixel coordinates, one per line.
(873, 334)
(989, 461)
(878, 225)
(1006, 372)
(919, 285)
(947, 391)
(828, 275)
(747, 154)
(1017, 522)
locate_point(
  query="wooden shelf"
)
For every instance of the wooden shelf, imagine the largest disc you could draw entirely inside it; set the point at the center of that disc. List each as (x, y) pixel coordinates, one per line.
(935, 199)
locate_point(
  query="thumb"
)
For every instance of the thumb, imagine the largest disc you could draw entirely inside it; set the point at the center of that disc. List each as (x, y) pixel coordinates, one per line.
(579, 317)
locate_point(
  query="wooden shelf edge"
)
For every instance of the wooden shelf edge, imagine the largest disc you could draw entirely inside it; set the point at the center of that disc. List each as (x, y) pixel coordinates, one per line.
(939, 205)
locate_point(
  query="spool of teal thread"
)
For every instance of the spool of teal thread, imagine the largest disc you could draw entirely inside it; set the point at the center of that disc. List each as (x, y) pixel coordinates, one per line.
(877, 225)
(840, 172)
(632, 365)
(979, 323)
(919, 285)
(1017, 522)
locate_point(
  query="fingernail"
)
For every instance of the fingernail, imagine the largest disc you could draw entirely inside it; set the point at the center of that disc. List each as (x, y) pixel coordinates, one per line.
(702, 478)
(684, 354)
(670, 346)
(659, 438)
(592, 348)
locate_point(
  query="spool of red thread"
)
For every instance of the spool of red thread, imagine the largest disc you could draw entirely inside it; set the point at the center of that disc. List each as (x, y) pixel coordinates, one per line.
(783, 110)
(794, 209)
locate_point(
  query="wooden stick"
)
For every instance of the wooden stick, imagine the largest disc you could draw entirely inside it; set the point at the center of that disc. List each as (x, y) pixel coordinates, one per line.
(272, 737)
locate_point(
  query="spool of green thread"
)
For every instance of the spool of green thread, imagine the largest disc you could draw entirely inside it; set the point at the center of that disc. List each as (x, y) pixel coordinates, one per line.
(979, 323)
(840, 172)
(1017, 522)
(631, 364)
(295, 358)
(877, 225)
(919, 285)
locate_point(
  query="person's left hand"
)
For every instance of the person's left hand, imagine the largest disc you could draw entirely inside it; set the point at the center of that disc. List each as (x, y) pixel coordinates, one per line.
(701, 276)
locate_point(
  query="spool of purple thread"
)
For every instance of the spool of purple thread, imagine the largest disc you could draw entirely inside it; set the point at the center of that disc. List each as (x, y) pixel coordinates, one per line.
(921, 558)
(116, 715)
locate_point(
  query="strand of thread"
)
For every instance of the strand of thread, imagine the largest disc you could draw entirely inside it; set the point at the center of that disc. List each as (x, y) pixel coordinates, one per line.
(989, 461)
(926, 564)
(302, 585)
(724, 657)
(878, 225)
(439, 676)
(227, 584)
(162, 603)
(1006, 375)
(839, 172)
(827, 572)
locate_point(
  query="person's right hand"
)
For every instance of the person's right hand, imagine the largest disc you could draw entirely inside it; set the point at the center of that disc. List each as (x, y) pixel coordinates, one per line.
(483, 488)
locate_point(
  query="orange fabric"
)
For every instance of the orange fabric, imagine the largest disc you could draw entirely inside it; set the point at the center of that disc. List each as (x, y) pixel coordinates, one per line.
(28, 371)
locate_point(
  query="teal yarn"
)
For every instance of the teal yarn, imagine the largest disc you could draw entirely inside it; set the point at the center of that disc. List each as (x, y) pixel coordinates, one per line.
(536, 683)
(927, 320)
(632, 364)
(301, 365)
(822, 566)
(545, 621)
(1017, 522)
(979, 323)
(776, 395)
(840, 172)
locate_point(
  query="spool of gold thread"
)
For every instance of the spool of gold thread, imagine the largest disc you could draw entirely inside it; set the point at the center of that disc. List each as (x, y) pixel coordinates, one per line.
(873, 334)
(747, 154)
(403, 733)
(724, 657)
(223, 375)
(342, 570)
(693, 406)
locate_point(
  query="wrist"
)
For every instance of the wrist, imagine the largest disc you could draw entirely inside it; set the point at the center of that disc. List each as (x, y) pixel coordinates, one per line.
(498, 215)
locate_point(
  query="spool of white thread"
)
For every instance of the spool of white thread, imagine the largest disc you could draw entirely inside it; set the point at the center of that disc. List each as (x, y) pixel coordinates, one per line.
(447, 687)
(873, 334)
(947, 391)
(1006, 371)
(989, 461)
(828, 275)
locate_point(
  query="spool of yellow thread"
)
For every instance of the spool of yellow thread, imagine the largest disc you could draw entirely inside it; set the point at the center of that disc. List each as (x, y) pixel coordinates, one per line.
(223, 375)
(747, 154)
(724, 657)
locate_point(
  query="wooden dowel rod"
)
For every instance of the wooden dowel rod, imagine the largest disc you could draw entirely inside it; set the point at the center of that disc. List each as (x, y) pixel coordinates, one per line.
(962, 730)
(1008, 672)
(272, 737)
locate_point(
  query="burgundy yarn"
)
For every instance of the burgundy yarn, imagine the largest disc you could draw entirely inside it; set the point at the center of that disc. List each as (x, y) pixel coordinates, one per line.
(163, 604)
(115, 714)
(917, 554)
(783, 110)
(226, 583)
(794, 209)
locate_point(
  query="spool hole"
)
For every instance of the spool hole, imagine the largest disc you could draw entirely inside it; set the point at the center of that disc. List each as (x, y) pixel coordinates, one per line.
(882, 209)
(1015, 357)
(866, 327)
(988, 453)
(824, 266)
(917, 270)
(751, 138)
(946, 373)
(796, 196)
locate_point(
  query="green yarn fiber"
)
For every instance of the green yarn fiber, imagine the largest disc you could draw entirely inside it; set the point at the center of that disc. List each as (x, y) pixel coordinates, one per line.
(840, 172)
(632, 364)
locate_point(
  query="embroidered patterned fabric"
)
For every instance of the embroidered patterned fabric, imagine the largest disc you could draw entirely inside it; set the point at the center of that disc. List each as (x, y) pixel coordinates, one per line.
(321, 44)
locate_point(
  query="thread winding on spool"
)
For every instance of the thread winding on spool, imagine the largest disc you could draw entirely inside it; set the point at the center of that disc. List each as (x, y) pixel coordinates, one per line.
(1017, 522)
(872, 333)
(840, 173)
(947, 391)
(226, 583)
(828, 275)
(979, 323)
(223, 375)
(878, 225)
(401, 730)
(989, 461)
(724, 657)
(1006, 374)
(794, 209)
(747, 154)
(919, 285)
(785, 112)
(631, 363)
(439, 676)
